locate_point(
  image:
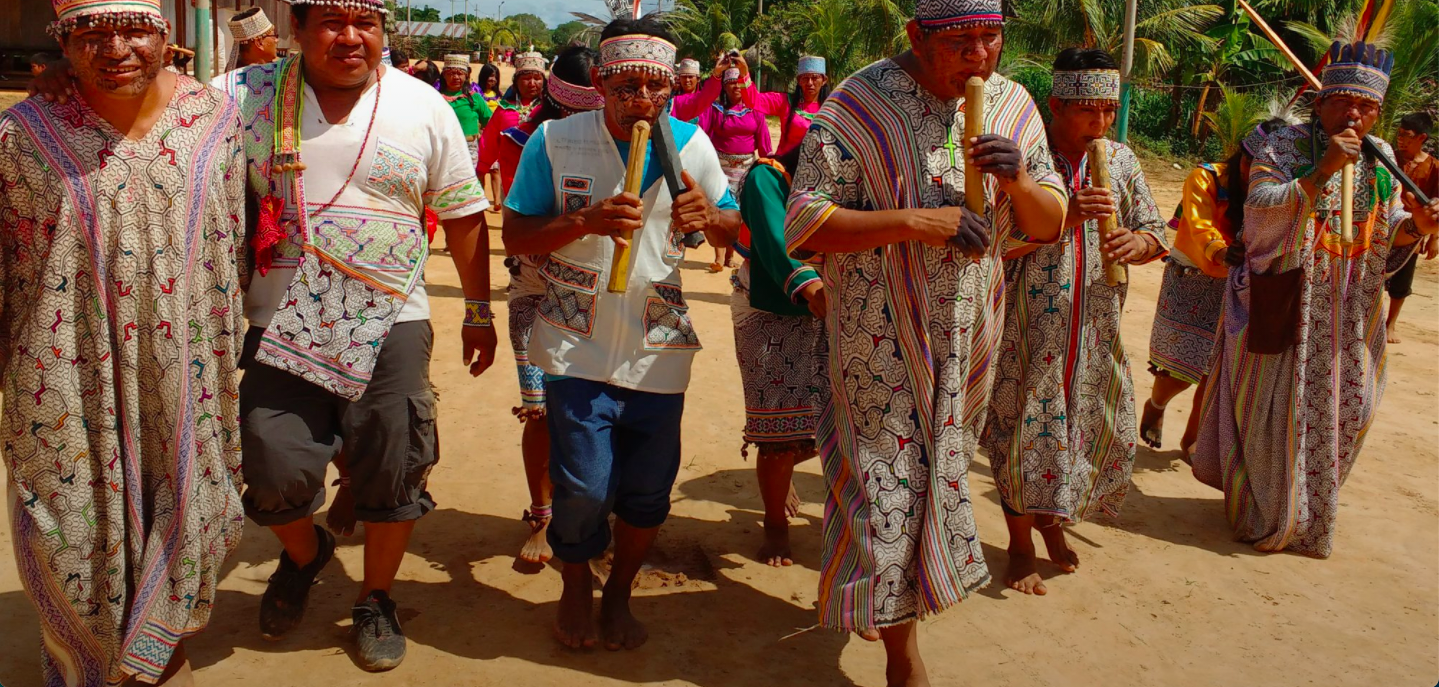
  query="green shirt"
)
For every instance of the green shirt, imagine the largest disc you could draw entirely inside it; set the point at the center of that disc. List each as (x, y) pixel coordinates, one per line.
(775, 278)
(471, 110)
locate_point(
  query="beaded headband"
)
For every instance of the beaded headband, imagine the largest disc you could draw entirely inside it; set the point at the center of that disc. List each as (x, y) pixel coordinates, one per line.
(107, 13)
(529, 62)
(461, 62)
(250, 24)
(689, 67)
(361, 5)
(1359, 69)
(1087, 86)
(572, 97)
(942, 15)
(642, 52)
(811, 64)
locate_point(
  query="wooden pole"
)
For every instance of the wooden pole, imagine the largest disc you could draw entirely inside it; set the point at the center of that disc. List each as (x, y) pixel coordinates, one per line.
(973, 128)
(634, 177)
(1130, 10)
(1114, 273)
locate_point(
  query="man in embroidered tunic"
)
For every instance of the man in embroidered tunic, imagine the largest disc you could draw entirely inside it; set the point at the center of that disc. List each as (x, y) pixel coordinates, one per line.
(120, 334)
(616, 363)
(916, 291)
(1301, 345)
(1061, 431)
(344, 158)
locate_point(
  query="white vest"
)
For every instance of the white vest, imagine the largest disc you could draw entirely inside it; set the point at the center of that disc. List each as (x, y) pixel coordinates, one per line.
(641, 339)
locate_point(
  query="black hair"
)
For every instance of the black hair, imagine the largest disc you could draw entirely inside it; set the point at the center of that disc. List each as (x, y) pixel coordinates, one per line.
(301, 13)
(647, 25)
(430, 74)
(41, 59)
(398, 57)
(487, 71)
(1421, 123)
(1237, 184)
(1079, 59)
(572, 66)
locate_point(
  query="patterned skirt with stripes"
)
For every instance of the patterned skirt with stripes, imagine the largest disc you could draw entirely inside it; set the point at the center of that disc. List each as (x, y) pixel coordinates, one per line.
(1181, 344)
(781, 363)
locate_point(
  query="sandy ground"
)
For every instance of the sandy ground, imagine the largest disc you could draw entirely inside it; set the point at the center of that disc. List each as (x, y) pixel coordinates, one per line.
(1164, 596)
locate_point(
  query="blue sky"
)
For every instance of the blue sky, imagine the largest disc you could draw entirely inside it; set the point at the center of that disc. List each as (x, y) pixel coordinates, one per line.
(554, 12)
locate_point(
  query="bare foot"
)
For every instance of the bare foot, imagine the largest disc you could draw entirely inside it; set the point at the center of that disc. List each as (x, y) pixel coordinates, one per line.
(1392, 335)
(716, 268)
(868, 635)
(1060, 553)
(1151, 425)
(1023, 572)
(575, 621)
(776, 551)
(792, 504)
(537, 547)
(620, 628)
(340, 520)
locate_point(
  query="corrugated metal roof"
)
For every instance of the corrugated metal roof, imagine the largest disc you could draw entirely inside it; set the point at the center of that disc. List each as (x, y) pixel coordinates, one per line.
(430, 28)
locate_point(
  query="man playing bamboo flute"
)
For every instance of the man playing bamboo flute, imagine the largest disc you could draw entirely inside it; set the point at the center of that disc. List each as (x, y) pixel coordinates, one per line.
(121, 210)
(1061, 430)
(1300, 370)
(616, 355)
(914, 317)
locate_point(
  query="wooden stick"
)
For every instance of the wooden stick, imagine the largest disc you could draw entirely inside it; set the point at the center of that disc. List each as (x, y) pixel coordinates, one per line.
(1346, 186)
(973, 128)
(1279, 43)
(1114, 272)
(634, 177)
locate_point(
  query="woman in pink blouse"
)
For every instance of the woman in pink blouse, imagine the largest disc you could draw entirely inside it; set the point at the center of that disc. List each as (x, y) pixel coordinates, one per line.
(740, 136)
(796, 109)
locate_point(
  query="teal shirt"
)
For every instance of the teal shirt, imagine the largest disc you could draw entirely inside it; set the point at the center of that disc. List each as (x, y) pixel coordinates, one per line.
(775, 277)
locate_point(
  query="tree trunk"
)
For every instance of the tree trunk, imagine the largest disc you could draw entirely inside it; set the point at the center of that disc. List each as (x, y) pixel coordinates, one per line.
(1199, 110)
(1176, 101)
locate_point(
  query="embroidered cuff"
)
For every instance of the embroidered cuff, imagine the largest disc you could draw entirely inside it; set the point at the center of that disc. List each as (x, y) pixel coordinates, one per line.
(799, 279)
(478, 314)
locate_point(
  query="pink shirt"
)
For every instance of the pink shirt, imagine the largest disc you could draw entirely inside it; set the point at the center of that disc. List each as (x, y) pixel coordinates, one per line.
(689, 106)
(736, 132)
(777, 105)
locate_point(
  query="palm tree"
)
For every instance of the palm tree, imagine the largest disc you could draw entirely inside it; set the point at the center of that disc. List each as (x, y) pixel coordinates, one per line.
(1044, 27)
(1235, 116)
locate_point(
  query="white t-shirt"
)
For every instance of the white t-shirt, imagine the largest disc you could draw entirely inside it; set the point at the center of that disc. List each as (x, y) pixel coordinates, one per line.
(416, 156)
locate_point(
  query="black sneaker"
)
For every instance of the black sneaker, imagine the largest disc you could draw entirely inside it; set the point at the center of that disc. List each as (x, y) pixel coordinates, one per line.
(283, 605)
(379, 640)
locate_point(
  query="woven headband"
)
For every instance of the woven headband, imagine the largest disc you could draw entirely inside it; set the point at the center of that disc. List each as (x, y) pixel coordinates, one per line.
(1087, 86)
(1358, 69)
(106, 13)
(361, 5)
(572, 97)
(640, 52)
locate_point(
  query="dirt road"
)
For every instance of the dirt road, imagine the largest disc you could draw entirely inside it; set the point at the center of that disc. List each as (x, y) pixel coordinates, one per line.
(1164, 596)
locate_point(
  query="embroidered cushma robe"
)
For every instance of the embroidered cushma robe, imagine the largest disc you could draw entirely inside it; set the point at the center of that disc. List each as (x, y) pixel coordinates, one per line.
(1281, 431)
(1061, 429)
(120, 333)
(912, 330)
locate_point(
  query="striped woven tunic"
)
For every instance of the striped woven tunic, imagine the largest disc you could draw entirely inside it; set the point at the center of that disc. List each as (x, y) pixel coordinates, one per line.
(912, 329)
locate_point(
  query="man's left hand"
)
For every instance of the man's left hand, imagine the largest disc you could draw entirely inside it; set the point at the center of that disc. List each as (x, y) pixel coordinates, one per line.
(997, 155)
(1124, 246)
(479, 345)
(1426, 218)
(692, 210)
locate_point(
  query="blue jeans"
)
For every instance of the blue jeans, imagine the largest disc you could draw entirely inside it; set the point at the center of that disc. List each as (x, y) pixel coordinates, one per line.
(611, 450)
